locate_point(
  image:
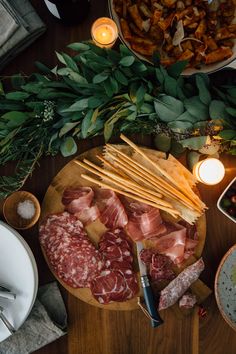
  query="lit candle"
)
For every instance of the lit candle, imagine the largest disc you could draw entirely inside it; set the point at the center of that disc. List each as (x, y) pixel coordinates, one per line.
(104, 32)
(209, 171)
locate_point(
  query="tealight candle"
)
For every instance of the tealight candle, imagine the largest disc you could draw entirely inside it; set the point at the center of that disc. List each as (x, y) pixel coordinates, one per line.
(104, 32)
(209, 171)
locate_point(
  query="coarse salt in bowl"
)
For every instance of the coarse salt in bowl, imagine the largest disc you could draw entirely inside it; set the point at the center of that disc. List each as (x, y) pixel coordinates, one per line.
(21, 210)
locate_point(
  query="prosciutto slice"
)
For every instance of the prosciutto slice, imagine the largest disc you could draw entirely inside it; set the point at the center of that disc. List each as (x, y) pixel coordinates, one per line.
(78, 201)
(112, 212)
(173, 243)
(144, 221)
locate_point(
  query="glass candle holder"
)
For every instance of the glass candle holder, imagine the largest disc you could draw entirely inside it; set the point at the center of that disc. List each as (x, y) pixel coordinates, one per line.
(104, 32)
(209, 171)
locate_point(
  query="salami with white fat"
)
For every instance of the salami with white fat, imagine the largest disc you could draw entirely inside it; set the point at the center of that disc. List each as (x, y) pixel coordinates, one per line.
(71, 254)
(178, 286)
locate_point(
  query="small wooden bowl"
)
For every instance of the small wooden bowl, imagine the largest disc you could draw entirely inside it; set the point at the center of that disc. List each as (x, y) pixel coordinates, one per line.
(10, 210)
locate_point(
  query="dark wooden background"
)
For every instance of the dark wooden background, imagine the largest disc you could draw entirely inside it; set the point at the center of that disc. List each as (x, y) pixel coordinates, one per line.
(96, 331)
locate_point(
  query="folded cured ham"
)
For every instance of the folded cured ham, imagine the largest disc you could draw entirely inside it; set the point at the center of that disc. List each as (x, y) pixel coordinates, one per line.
(112, 212)
(78, 201)
(144, 221)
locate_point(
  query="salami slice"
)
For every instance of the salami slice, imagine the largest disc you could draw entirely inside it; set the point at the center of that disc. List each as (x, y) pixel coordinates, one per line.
(187, 301)
(178, 286)
(71, 254)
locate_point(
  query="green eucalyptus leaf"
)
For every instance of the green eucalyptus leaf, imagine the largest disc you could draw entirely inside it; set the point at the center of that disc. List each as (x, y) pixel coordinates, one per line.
(217, 110)
(204, 93)
(119, 76)
(100, 78)
(66, 128)
(17, 95)
(79, 47)
(79, 105)
(231, 111)
(168, 108)
(60, 58)
(176, 148)
(162, 142)
(177, 68)
(127, 61)
(15, 118)
(170, 86)
(187, 117)
(114, 84)
(33, 87)
(68, 147)
(228, 134)
(141, 91)
(70, 62)
(94, 102)
(77, 77)
(43, 68)
(180, 127)
(194, 143)
(131, 117)
(86, 123)
(196, 108)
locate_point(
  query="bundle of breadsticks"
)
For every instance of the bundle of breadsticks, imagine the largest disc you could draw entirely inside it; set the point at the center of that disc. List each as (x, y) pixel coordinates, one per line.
(146, 176)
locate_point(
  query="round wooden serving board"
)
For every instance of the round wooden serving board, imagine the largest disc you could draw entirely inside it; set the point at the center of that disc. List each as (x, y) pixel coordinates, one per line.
(69, 176)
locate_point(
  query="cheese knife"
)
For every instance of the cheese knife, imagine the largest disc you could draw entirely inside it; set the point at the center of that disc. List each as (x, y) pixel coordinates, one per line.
(147, 290)
(6, 293)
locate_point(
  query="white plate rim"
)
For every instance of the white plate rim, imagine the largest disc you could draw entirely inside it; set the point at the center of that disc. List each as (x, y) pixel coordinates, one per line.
(34, 267)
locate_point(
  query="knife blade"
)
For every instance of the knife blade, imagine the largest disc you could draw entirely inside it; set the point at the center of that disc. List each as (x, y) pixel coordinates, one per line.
(156, 320)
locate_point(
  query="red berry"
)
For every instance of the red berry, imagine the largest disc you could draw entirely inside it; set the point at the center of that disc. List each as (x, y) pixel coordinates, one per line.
(233, 199)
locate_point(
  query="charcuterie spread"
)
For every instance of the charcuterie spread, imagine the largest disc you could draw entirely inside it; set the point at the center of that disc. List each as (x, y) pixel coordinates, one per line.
(107, 264)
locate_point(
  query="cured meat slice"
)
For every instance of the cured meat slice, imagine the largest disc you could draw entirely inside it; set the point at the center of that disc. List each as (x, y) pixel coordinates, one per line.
(173, 243)
(112, 212)
(115, 246)
(178, 286)
(144, 221)
(71, 254)
(159, 266)
(115, 237)
(109, 286)
(187, 301)
(77, 199)
(88, 215)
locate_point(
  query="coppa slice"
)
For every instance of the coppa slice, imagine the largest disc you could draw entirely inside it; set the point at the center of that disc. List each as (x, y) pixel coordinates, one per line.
(118, 281)
(70, 252)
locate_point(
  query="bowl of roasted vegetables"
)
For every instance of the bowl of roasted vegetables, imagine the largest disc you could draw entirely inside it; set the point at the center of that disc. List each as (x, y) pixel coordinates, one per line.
(176, 30)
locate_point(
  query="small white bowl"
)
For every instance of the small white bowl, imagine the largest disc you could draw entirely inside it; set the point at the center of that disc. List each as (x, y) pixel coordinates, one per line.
(221, 197)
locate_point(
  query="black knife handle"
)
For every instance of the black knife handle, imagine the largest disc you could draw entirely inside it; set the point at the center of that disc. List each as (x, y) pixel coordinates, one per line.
(150, 302)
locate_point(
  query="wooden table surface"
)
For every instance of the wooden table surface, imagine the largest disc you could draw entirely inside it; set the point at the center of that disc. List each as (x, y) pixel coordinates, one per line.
(96, 331)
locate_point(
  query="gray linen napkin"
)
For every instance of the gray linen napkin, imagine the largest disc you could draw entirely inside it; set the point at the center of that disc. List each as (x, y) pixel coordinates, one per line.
(46, 323)
(8, 25)
(29, 28)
